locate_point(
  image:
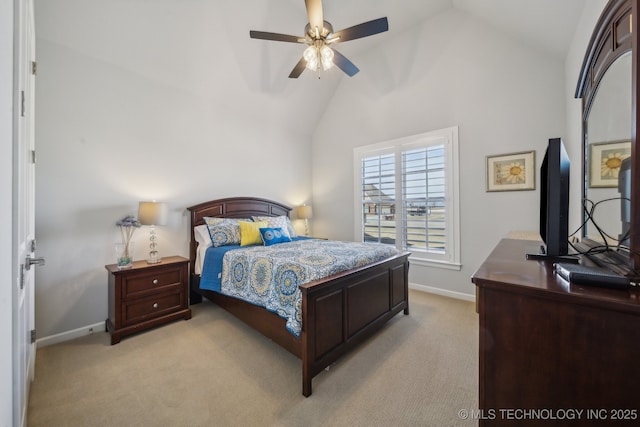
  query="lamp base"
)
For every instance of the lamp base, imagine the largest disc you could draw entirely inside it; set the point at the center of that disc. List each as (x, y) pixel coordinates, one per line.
(153, 252)
(153, 257)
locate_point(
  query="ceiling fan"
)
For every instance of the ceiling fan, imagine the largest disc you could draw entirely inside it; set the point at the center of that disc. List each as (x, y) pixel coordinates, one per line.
(319, 36)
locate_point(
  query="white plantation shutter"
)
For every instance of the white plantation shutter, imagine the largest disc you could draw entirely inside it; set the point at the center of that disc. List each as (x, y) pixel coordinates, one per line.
(407, 195)
(423, 203)
(378, 198)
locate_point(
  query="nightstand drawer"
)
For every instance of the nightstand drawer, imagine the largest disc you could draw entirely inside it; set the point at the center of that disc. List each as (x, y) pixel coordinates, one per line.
(147, 308)
(132, 286)
(147, 295)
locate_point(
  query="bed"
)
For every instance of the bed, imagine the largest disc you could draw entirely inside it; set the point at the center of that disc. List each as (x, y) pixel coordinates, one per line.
(337, 312)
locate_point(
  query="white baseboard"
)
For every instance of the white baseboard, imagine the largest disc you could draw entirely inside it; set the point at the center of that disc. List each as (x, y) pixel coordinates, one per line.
(99, 327)
(443, 292)
(69, 335)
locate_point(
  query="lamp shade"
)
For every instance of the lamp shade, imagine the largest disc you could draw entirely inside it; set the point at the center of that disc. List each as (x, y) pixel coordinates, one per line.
(153, 213)
(305, 212)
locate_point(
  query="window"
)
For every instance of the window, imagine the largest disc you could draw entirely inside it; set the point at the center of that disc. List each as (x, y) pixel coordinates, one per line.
(407, 196)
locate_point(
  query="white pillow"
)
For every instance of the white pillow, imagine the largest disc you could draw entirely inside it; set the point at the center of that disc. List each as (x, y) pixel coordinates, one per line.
(292, 231)
(278, 222)
(201, 234)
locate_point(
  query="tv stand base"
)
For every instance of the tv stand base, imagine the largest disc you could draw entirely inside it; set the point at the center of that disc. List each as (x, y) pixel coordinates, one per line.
(554, 258)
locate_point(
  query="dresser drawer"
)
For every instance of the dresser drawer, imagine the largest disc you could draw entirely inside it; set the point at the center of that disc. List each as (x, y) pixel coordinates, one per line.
(142, 309)
(136, 285)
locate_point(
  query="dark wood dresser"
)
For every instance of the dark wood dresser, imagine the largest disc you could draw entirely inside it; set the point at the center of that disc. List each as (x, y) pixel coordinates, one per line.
(554, 353)
(147, 295)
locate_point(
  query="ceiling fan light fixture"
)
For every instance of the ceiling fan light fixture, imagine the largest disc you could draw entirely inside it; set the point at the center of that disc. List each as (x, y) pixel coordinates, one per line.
(316, 55)
(326, 57)
(311, 56)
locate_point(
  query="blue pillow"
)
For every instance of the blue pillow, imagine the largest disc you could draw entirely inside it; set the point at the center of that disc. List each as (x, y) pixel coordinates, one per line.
(271, 236)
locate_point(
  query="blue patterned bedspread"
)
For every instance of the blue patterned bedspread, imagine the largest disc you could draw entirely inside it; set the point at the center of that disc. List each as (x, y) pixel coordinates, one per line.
(269, 276)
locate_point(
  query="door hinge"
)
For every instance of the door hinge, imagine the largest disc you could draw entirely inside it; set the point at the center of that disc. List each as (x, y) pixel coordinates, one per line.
(33, 336)
(33, 156)
(22, 104)
(34, 68)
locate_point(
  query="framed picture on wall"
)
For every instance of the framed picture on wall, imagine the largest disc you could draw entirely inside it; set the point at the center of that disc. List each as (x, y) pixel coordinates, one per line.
(511, 172)
(605, 159)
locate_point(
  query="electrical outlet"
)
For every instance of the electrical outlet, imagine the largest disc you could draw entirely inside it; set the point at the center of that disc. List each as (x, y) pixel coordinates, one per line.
(90, 331)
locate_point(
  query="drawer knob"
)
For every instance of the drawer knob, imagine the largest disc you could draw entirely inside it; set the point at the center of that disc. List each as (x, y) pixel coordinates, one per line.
(155, 281)
(155, 305)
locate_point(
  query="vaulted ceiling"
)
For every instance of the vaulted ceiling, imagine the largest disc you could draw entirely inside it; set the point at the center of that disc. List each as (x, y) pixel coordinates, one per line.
(546, 24)
(203, 46)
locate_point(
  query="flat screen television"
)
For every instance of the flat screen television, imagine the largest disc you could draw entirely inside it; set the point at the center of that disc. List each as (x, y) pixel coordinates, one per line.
(554, 204)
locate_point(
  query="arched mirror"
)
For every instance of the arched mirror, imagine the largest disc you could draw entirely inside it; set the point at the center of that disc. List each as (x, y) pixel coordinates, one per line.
(607, 83)
(607, 146)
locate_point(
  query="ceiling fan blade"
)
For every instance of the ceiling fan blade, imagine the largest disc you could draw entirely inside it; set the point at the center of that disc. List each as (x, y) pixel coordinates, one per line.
(344, 64)
(365, 29)
(314, 12)
(263, 35)
(298, 69)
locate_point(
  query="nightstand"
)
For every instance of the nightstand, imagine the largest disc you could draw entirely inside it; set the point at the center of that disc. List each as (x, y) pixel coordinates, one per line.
(147, 295)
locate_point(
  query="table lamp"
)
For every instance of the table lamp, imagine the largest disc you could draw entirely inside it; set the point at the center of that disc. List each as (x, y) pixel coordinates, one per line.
(153, 213)
(305, 212)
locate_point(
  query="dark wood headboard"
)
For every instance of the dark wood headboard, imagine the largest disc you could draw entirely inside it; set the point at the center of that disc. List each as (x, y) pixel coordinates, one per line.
(233, 207)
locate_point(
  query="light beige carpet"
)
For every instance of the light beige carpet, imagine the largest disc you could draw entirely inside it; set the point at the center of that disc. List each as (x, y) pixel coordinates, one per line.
(212, 370)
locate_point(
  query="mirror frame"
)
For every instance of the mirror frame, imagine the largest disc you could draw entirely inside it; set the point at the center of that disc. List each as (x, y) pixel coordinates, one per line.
(615, 34)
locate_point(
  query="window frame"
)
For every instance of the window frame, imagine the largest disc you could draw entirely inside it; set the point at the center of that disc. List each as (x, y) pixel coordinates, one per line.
(447, 137)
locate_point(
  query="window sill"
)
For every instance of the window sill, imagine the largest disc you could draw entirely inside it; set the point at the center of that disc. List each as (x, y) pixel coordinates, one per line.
(434, 263)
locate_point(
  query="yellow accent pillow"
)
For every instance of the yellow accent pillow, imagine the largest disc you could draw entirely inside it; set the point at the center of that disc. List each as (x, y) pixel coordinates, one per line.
(250, 232)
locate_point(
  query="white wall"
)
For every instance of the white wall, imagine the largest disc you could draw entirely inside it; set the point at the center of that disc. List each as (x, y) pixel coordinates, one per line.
(133, 103)
(6, 217)
(452, 70)
(131, 108)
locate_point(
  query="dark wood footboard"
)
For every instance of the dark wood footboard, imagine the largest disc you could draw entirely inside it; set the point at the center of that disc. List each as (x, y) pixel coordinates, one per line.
(338, 312)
